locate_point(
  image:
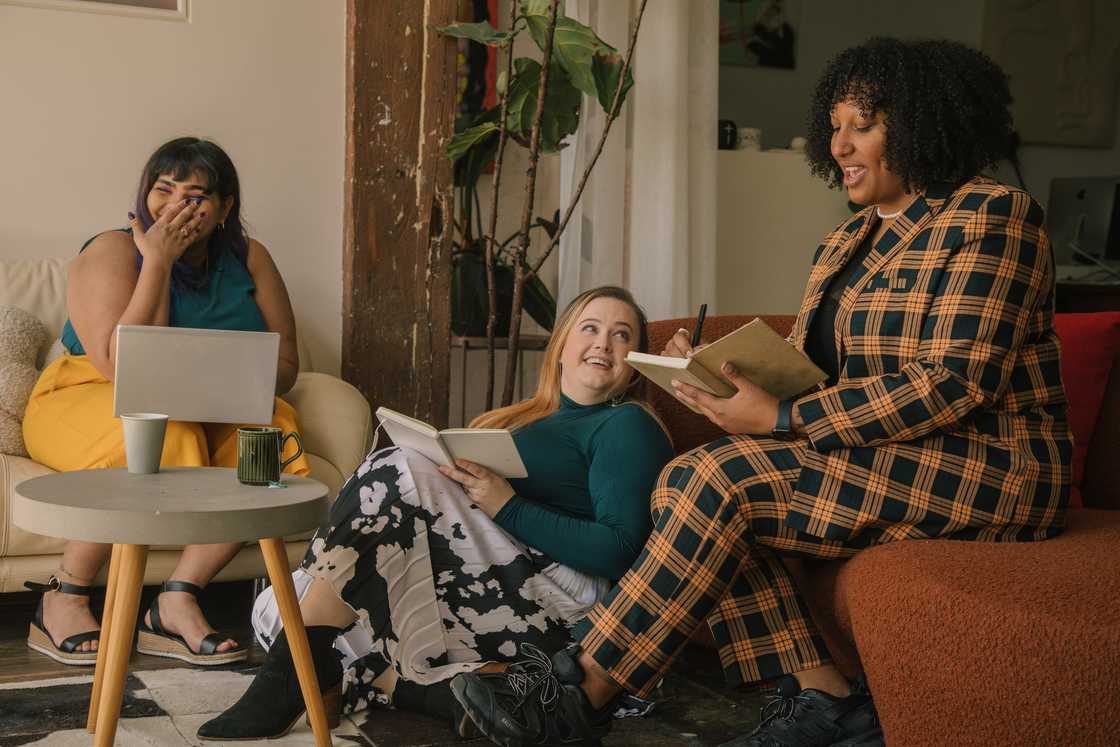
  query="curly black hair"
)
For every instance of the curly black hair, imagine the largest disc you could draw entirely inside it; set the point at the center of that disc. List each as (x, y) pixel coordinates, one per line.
(945, 105)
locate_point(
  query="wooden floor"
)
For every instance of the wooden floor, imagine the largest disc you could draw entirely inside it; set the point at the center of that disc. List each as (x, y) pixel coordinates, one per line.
(226, 606)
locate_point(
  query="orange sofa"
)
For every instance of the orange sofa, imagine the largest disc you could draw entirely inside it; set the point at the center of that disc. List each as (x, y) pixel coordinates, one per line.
(966, 643)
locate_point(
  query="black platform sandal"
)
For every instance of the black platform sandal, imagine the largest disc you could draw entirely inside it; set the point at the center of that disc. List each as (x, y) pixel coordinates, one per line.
(155, 640)
(38, 639)
(274, 702)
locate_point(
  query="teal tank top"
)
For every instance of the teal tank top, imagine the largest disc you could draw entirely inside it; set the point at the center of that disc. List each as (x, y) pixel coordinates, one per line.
(225, 302)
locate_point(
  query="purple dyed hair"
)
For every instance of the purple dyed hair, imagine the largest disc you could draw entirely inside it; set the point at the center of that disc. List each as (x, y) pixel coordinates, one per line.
(180, 158)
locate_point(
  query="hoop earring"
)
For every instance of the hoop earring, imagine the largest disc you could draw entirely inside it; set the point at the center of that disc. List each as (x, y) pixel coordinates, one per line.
(222, 226)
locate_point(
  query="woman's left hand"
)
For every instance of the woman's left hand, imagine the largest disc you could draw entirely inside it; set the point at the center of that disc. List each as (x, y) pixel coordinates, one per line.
(489, 490)
(751, 411)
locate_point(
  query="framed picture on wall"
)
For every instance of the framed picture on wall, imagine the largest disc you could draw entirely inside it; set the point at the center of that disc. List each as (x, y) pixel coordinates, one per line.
(166, 10)
(759, 33)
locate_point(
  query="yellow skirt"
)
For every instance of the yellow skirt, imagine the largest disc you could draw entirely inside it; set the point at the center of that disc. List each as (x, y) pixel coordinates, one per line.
(69, 426)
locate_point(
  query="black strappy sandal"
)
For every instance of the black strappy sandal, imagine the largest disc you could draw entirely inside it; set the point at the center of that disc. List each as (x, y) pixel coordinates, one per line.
(38, 639)
(155, 640)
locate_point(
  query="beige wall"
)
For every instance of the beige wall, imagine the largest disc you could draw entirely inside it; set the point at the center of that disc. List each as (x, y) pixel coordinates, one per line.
(87, 97)
(777, 100)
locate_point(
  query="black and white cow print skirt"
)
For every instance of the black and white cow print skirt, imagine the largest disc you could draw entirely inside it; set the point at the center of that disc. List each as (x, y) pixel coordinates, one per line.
(437, 586)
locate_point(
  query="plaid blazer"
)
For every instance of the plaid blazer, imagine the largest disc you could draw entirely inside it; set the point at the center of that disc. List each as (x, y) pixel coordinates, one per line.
(949, 416)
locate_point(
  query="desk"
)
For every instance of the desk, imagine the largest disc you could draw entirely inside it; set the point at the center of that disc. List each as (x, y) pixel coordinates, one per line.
(176, 506)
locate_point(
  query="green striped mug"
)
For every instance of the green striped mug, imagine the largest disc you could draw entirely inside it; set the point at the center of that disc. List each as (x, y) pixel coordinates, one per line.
(258, 454)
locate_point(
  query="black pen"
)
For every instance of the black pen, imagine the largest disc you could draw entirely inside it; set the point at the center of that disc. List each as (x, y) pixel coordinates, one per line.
(699, 324)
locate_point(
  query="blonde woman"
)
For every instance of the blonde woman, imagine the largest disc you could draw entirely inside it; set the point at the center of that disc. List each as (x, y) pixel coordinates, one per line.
(422, 572)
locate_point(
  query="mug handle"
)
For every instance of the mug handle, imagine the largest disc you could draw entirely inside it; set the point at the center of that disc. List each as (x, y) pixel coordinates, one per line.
(299, 443)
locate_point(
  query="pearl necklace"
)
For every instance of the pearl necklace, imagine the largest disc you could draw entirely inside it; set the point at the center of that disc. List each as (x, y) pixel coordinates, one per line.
(886, 216)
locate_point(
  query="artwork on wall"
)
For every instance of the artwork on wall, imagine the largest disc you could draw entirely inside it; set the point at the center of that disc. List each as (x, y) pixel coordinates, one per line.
(758, 33)
(1063, 59)
(168, 10)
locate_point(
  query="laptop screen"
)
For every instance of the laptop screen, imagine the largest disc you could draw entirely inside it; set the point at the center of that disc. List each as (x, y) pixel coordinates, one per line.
(196, 375)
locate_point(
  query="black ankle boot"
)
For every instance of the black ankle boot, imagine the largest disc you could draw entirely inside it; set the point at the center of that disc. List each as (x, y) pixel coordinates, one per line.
(273, 703)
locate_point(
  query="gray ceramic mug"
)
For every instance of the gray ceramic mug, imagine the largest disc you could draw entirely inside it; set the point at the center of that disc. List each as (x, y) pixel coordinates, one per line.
(258, 454)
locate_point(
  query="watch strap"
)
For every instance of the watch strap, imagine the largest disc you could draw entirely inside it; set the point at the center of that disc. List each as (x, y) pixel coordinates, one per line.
(783, 428)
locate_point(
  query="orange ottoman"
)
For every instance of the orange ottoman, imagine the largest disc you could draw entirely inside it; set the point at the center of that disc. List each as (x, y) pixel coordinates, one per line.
(970, 643)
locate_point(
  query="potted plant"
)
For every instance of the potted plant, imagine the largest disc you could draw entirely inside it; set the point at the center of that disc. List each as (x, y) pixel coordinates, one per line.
(539, 107)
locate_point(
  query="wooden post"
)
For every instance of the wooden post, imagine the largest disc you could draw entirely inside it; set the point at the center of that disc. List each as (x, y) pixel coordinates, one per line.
(400, 101)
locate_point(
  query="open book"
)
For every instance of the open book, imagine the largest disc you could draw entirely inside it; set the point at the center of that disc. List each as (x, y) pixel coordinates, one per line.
(493, 448)
(760, 354)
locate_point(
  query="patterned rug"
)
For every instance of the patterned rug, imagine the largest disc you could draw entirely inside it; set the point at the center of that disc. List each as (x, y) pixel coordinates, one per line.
(161, 707)
(165, 707)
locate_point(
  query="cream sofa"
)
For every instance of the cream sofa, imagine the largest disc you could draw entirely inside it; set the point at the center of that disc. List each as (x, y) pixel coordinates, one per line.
(334, 419)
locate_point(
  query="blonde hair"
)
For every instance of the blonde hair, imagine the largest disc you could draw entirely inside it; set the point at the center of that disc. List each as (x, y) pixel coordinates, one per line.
(546, 400)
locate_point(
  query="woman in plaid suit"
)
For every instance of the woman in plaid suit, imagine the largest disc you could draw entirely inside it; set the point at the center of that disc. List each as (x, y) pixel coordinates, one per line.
(944, 414)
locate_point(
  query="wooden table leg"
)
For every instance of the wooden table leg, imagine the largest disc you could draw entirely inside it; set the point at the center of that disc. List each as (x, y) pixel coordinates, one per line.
(276, 560)
(103, 642)
(130, 580)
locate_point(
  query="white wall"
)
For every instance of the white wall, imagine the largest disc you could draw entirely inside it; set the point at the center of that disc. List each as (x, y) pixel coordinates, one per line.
(777, 100)
(87, 98)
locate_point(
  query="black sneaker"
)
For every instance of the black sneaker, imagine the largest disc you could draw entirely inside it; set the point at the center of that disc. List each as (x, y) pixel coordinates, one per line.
(811, 718)
(536, 701)
(873, 736)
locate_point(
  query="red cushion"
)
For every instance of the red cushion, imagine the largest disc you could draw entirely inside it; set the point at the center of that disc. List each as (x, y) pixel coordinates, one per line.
(1090, 343)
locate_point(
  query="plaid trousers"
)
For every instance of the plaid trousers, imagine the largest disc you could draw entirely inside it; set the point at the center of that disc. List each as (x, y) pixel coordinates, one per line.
(718, 526)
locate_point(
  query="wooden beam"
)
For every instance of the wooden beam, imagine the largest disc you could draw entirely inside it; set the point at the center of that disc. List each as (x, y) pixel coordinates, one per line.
(400, 106)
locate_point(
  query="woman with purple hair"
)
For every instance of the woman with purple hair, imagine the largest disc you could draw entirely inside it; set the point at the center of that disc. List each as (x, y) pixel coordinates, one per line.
(185, 260)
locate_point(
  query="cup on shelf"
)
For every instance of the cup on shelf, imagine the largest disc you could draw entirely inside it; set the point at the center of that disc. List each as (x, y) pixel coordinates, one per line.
(750, 138)
(728, 134)
(143, 440)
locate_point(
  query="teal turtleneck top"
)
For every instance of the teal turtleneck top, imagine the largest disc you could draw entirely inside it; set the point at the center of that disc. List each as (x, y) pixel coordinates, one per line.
(591, 470)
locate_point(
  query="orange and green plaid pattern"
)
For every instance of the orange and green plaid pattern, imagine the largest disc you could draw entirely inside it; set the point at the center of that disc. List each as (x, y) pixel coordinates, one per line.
(718, 514)
(949, 416)
(948, 420)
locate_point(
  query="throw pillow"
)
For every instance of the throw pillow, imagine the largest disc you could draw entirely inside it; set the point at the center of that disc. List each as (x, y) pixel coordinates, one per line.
(1090, 344)
(21, 336)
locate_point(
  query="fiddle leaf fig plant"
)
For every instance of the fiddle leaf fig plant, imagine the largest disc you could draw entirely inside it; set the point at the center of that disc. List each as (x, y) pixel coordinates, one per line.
(540, 106)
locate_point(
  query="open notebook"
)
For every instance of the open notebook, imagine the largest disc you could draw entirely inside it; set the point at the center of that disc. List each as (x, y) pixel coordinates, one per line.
(493, 448)
(760, 354)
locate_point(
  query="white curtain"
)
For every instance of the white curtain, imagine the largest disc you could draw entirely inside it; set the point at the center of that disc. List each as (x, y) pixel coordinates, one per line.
(647, 219)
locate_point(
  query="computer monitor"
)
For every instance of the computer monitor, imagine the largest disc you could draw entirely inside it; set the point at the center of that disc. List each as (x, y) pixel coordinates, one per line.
(1084, 214)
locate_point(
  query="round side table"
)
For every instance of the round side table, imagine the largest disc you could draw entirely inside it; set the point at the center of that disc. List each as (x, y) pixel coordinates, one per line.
(175, 506)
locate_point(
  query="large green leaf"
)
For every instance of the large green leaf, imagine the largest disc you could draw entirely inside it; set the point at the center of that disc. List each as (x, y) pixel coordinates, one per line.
(560, 117)
(535, 7)
(592, 65)
(465, 140)
(606, 68)
(481, 32)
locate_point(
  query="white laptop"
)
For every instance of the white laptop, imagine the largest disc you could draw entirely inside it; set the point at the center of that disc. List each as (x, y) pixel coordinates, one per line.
(200, 375)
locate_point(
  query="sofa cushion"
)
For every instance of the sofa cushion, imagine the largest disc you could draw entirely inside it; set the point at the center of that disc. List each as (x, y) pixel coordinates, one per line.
(1090, 344)
(39, 287)
(946, 648)
(21, 337)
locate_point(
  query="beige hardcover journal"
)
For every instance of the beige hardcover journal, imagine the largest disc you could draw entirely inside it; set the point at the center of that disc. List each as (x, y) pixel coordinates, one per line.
(760, 354)
(493, 448)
